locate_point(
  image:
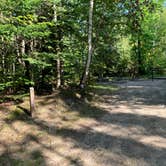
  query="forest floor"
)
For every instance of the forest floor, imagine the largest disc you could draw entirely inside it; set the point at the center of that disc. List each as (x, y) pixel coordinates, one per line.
(123, 124)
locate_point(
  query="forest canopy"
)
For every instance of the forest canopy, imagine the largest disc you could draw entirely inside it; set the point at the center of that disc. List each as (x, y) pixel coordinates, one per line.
(47, 43)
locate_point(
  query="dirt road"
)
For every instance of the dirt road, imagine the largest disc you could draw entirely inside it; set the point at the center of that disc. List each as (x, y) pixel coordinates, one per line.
(125, 127)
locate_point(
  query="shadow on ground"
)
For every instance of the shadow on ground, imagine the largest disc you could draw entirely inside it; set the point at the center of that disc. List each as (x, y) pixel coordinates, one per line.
(35, 158)
(138, 92)
(87, 139)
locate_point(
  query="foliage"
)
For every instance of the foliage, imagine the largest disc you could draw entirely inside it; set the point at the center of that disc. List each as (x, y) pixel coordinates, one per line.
(128, 39)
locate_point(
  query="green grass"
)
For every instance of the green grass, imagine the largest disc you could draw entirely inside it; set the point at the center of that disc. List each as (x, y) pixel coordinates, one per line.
(104, 87)
(101, 89)
(15, 98)
(9, 160)
(17, 114)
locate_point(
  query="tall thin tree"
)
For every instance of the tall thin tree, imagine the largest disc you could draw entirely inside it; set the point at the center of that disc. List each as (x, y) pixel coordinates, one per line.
(58, 67)
(89, 58)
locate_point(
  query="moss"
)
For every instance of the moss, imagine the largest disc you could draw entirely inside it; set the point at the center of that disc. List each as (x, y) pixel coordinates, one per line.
(17, 114)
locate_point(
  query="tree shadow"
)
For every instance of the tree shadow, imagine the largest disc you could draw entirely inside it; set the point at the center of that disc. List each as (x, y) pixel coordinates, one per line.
(36, 158)
(88, 139)
(91, 140)
(10, 156)
(122, 146)
(26, 111)
(80, 105)
(49, 99)
(153, 125)
(72, 161)
(139, 93)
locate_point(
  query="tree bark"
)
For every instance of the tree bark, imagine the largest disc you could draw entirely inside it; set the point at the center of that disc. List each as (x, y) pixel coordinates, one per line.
(20, 50)
(87, 67)
(140, 70)
(3, 59)
(58, 72)
(22, 47)
(58, 61)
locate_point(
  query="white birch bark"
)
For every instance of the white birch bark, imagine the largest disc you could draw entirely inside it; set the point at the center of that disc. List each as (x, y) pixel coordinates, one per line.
(58, 67)
(87, 67)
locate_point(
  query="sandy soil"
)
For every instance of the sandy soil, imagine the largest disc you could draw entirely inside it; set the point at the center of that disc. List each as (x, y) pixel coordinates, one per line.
(126, 127)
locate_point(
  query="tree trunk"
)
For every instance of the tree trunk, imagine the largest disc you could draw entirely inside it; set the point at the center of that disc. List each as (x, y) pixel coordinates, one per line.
(58, 72)
(58, 61)
(55, 13)
(87, 67)
(22, 47)
(140, 70)
(20, 50)
(3, 56)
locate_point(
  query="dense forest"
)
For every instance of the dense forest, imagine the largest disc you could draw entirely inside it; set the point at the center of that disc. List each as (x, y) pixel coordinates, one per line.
(49, 44)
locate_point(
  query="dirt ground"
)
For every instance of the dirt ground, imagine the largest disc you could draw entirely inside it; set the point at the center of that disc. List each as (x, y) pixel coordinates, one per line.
(125, 126)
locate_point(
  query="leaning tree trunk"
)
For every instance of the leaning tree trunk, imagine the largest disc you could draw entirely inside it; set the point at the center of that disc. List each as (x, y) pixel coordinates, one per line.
(87, 67)
(58, 61)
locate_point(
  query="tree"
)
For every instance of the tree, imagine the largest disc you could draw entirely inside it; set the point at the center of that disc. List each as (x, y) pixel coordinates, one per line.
(137, 14)
(44, 42)
(87, 68)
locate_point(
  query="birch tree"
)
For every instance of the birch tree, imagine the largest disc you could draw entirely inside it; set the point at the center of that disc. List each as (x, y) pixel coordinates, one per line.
(58, 60)
(89, 58)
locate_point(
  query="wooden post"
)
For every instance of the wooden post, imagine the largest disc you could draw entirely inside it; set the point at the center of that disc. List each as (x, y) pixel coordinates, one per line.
(32, 100)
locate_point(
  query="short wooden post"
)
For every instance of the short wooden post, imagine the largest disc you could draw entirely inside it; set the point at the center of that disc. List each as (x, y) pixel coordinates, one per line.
(32, 100)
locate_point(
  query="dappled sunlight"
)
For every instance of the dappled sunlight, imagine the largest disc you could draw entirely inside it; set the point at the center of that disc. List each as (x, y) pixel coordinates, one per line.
(86, 139)
(135, 87)
(136, 133)
(82, 83)
(158, 111)
(85, 133)
(155, 141)
(151, 93)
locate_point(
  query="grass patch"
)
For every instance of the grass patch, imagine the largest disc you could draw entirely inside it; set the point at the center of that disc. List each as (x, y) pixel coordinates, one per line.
(80, 101)
(5, 159)
(17, 114)
(13, 98)
(103, 88)
(89, 111)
